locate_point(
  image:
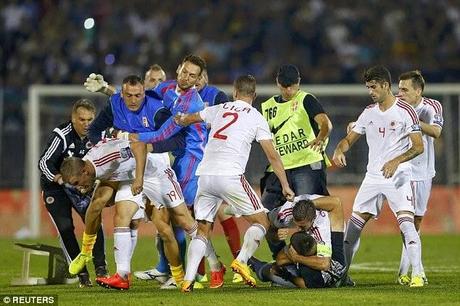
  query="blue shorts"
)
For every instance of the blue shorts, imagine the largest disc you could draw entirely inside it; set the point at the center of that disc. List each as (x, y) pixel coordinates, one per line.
(185, 168)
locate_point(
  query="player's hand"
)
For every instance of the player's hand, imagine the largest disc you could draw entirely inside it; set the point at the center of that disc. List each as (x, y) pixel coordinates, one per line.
(389, 168)
(283, 233)
(58, 179)
(179, 118)
(133, 137)
(292, 254)
(95, 83)
(350, 126)
(288, 193)
(316, 144)
(339, 158)
(122, 135)
(137, 186)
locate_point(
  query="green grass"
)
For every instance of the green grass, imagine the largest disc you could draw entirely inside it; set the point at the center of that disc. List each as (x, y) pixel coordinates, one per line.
(374, 270)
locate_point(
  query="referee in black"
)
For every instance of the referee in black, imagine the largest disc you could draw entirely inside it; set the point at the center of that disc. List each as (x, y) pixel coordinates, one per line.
(70, 139)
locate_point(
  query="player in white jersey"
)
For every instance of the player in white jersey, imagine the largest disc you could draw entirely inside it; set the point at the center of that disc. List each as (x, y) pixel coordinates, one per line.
(429, 112)
(234, 126)
(393, 135)
(113, 160)
(322, 268)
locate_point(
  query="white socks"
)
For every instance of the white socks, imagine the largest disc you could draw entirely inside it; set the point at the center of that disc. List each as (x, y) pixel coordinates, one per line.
(122, 250)
(251, 242)
(411, 242)
(195, 253)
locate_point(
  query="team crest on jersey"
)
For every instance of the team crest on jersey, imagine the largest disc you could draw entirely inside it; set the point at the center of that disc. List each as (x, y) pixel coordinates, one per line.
(126, 153)
(145, 122)
(49, 200)
(88, 145)
(294, 106)
(437, 119)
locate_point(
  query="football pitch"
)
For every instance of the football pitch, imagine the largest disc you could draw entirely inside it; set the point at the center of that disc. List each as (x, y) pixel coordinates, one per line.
(374, 270)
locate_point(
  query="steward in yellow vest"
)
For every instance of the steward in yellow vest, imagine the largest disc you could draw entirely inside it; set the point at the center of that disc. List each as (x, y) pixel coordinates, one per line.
(300, 130)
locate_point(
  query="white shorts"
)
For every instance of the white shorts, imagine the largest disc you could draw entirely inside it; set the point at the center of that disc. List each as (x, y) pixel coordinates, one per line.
(124, 194)
(370, 197)
(163, 190)
(422, 191)
(235, 190)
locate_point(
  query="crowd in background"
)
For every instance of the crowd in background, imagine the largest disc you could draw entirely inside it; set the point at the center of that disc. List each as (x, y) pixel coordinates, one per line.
(331, 41)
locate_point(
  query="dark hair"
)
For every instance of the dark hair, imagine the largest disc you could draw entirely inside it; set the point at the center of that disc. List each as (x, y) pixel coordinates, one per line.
(155, 67)
(304, 210)
(133, 80)
(303, 243)
(71, 166)
(196, 60)
(288, 75)
(245, 85)
(84, 103)
(379, 74)
(416, 76)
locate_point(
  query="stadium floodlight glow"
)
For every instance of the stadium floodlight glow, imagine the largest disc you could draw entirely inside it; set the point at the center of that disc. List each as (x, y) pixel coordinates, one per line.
(89, 23)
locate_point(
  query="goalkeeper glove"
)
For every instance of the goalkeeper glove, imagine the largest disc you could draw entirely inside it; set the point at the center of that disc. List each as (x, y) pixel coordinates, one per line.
(95, 83)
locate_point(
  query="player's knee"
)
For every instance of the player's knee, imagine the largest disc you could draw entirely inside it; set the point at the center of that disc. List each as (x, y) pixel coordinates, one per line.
(165, 231)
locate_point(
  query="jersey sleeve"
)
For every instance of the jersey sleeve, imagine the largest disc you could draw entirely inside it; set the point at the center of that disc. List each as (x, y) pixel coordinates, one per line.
(208, 114)
(435, 114)
(103, 121)
(49, 161)
(166, 131)
(360, 124)
(411, 121)
(312, 106)
(263, 131)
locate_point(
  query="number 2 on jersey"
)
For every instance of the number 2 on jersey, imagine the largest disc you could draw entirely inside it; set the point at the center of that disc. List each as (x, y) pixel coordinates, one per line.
(218, 134)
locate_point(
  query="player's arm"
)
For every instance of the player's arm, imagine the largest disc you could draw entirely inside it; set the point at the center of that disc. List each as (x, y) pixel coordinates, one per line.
(432, 130)
(103, 121)
(389, 168)
(166, 131)
(342, 147)
(321, 263)
(333, 206)
(139, 150)
(104, 195)
(187, 119)
(316, 112)
(277, 165)
(49, 162)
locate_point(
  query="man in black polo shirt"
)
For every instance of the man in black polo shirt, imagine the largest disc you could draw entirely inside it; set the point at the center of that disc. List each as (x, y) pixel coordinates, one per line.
(70, 139)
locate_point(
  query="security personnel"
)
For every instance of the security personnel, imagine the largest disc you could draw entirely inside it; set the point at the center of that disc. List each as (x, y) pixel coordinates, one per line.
(300, 129)
(70, 139)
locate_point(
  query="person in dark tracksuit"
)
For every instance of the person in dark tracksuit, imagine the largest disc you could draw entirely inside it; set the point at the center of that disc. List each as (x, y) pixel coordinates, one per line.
(70, 139)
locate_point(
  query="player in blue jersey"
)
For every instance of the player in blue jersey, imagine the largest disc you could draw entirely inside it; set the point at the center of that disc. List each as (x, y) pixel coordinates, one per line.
(181, 95)
(131, 110)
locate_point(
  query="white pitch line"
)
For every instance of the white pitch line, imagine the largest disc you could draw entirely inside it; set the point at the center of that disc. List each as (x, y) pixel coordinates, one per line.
(393, 267)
